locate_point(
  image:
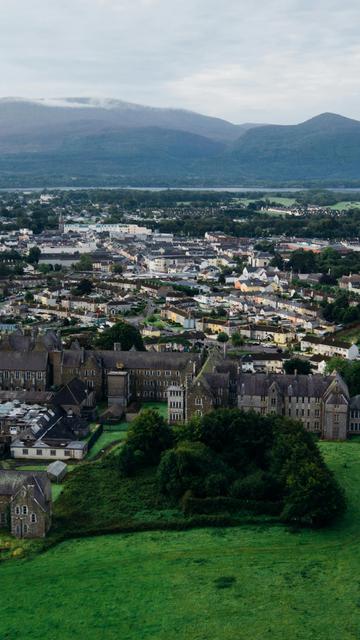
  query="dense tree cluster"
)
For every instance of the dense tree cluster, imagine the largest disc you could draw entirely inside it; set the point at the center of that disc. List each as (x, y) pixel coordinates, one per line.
(230, 459)
(329, 262)
(124, 334)
(340, 310)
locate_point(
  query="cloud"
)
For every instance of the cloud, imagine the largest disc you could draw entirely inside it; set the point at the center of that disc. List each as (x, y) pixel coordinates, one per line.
(269, 60)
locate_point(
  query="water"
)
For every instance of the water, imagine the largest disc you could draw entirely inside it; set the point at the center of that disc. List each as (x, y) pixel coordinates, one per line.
(190, 189)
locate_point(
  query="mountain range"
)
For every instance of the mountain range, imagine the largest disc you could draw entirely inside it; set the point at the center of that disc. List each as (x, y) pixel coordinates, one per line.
(83, 141)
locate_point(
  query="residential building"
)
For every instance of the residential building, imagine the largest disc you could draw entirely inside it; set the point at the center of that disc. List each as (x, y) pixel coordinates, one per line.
(25, 503)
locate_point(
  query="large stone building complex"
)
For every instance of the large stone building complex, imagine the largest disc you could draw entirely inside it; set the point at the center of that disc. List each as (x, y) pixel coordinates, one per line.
(119, 376)
(321, 403)
(190, 385)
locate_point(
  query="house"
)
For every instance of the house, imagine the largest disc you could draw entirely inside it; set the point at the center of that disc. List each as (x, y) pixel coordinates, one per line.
(330, 347)
(260, 259)
(350, 283)
(268, 333)
(54, 435)
(179, 316)
(25, 503)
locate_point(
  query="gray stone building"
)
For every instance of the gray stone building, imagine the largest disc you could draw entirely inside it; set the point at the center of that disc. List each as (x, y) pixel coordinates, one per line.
(25, 503)
(321, 403)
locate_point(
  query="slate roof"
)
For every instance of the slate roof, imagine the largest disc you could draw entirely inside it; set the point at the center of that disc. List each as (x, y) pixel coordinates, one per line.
(313, 386)
(74, 392)
(147, 359)
(12, 481)
(23, 361)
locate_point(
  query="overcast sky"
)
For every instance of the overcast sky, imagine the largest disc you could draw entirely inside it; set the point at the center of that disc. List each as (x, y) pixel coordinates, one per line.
(245, 60)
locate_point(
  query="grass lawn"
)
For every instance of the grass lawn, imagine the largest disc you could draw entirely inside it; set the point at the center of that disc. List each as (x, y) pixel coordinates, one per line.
(56, 489)
(107, 438)
(161, 407)
(248, 583)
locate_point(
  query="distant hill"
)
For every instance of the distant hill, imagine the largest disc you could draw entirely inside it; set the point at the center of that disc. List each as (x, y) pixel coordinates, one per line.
(325, 147)
(82, 141)
(89, 116)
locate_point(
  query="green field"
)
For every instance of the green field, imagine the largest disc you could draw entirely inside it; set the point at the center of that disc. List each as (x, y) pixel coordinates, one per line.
(343, 206)
(244, 583)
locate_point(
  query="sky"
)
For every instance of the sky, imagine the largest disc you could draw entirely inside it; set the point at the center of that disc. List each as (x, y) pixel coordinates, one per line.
(278, 61)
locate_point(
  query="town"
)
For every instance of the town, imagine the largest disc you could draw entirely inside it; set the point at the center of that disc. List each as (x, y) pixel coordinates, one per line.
(107, 310)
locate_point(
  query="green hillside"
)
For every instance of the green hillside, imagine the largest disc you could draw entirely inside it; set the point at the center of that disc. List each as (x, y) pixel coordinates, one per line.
(250, 582)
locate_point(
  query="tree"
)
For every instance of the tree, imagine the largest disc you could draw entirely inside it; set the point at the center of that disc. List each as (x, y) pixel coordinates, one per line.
(222, 337)
(302, 367)
(85, 263)
(192, 466)
(148, 436)
(302, 261)
(277, 261)
(349, 370)
(117, 268)
(83, 288)
(34, 255)
(29, 297)
(123, 333)
(237, 340)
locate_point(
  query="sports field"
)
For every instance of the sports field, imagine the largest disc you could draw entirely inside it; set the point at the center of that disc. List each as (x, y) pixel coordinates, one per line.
(245, 583)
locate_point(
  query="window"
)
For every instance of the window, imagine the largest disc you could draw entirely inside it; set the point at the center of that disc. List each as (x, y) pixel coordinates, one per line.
(33, 518)
(17, 530)
(68, 453)
(25, 510)
(25, 452)
(2, 518)
(198, 401)
(39, 375)
(39, 452)
(53, 452)
(17, 511)
(25, 528)
(273, 401)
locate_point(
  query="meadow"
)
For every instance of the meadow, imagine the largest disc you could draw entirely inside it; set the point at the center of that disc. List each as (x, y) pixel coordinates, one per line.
(344, 206)
(248, 583)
